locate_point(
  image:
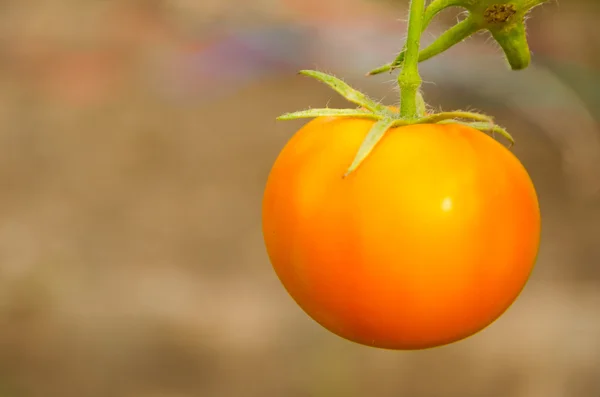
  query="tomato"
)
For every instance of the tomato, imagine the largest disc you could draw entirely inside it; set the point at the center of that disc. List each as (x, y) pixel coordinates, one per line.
(428, 242)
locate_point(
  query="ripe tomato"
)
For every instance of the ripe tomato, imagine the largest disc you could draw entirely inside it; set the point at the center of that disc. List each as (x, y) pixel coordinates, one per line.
(429, 241)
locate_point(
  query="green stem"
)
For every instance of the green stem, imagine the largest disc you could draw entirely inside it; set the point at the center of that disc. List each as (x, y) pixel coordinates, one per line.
(436, 6)
(451, 37)
(430, 12)
(513, 40)
(445, 41)
(409, 79)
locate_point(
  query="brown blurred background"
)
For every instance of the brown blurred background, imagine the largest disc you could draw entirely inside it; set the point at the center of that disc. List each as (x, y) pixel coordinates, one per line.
(135, 141)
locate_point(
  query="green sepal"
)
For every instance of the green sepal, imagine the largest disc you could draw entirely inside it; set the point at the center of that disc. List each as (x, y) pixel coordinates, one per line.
(326, 112)
(490, 128)
(351, 94)
(373, 137)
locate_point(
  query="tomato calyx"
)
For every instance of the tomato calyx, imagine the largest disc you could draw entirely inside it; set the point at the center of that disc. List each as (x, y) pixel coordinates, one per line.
(386, 117)
(504, 19)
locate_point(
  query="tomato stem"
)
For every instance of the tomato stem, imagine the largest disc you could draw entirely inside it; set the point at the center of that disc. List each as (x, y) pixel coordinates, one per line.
(431, 11)
(449, 38)
(513, 41)
(504, 20)
(409, 79)
(421, 105)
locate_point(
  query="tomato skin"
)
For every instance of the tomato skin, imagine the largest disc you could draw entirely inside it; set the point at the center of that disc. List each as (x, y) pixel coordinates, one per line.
(427, 243)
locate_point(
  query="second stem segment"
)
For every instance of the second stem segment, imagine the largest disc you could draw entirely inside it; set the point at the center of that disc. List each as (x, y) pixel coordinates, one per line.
(409, 78)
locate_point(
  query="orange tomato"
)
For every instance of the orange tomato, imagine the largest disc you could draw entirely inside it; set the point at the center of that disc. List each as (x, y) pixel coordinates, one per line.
(428, 242)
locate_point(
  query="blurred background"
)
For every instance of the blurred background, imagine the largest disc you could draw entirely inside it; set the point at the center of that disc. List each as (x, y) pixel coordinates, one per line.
(135, 141)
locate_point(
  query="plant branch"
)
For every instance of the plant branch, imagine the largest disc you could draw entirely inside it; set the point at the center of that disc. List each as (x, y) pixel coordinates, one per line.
(449, 38)
(409, 79)
(430, 12)
(513, 41)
